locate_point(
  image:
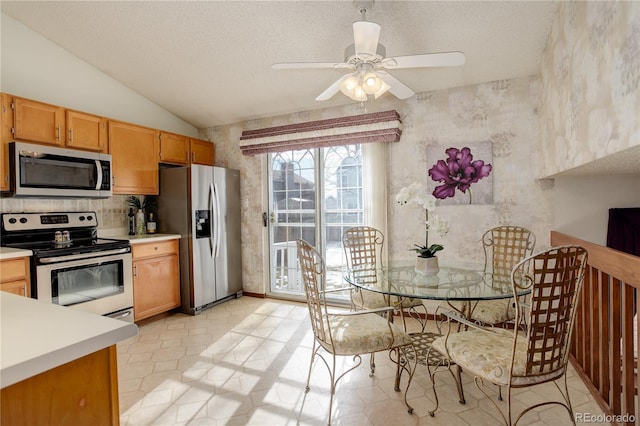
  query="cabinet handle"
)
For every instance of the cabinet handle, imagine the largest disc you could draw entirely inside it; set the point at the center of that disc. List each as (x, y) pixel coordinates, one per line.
(135, 270)
(57, 132)
(70, 136)
(24, 290)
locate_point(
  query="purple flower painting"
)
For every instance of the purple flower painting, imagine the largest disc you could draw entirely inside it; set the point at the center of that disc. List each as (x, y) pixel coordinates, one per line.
(459, 171)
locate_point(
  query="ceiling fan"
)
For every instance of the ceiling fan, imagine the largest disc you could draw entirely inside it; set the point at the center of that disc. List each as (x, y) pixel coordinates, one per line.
(367, 57)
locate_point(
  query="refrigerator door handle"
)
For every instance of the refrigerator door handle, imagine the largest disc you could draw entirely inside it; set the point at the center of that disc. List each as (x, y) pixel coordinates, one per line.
(218, 217)
(211, 219)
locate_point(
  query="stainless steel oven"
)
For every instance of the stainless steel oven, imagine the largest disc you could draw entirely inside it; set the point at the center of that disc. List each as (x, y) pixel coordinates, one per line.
(71, 266)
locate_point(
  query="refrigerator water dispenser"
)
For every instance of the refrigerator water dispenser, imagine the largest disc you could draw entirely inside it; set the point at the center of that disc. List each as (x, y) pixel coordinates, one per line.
(203, 224)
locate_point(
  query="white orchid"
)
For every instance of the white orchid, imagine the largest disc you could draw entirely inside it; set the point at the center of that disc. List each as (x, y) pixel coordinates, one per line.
(418, 194)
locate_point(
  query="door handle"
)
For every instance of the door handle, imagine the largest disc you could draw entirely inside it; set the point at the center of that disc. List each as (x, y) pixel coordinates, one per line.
(265, 219)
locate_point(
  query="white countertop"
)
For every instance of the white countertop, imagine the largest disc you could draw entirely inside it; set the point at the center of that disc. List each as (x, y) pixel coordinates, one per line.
(12, 253)
(37, 336)
(147, 238)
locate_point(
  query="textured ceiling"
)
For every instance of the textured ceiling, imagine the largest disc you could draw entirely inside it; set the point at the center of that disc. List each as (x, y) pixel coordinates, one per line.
(209, 62)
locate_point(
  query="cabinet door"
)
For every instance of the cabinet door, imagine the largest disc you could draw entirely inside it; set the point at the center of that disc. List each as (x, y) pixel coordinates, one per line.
(21, 288)
(6, 123)
(202, 152)
(135, 152)
(174, 148)
(86, 131)
(38, 122)
(14, 276)
(156, 286)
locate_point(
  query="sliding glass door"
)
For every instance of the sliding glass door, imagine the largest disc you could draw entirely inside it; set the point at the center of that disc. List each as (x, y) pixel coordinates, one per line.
(315, 195)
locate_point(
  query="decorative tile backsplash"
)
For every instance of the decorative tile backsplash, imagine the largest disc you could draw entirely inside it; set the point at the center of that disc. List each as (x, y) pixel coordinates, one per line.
(111, 212)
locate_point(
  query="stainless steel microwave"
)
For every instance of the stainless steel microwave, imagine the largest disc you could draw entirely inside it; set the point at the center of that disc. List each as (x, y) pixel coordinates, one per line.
(45, 172)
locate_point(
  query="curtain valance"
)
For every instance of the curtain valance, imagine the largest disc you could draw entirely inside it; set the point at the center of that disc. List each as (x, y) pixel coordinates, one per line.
(357, 129)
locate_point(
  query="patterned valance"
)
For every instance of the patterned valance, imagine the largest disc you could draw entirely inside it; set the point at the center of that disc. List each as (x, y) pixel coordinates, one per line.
(357, 129)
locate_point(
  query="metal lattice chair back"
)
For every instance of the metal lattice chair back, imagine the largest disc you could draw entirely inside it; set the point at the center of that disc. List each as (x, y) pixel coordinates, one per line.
(505, 246)
(313, 272)
(363, 250)
(555, 278)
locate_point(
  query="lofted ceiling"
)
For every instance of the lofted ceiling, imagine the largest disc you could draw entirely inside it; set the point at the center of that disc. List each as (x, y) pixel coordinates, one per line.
(209, 62)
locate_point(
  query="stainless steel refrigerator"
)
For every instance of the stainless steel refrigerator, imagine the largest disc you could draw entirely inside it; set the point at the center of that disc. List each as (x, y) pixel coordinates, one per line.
(202, 204)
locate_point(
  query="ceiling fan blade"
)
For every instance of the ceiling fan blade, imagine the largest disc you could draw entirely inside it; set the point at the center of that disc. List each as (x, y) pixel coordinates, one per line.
(365, 36)
(300, 65)
(332, 90)
(442, 59)
(396, 87)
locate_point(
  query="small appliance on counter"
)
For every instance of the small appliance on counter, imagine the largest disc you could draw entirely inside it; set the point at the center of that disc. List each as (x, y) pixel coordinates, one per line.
(70, 265)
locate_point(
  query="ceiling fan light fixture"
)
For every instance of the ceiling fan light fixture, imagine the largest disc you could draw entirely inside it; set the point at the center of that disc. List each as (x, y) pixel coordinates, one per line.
(383, 88)
(371, 83)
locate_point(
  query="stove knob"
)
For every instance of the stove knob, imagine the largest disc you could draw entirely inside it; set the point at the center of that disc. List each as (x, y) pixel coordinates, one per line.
(12, 220)
(23, 220)
(81, 218)
(89, 218)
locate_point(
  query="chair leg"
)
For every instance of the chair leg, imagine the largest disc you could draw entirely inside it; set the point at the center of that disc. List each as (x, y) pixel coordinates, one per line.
(458, 380)
(372, 365)
(313, 355)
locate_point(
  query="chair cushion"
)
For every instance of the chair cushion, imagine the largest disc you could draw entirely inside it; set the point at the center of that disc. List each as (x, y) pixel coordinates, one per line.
(366, 299)
(488, 355)
(365, 333)
(410, 303)
(494, 311)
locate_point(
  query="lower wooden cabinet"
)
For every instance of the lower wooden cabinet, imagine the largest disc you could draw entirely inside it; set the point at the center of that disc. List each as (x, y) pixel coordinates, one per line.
(14, 276)
(156, 278)
(80, 392)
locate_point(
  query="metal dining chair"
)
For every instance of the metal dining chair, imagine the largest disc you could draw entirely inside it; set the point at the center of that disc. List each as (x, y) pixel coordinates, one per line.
(503, 246)
(522, 358)
(350, 333)
(363, 252)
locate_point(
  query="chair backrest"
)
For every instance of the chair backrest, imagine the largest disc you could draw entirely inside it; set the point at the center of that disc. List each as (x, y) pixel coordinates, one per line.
(505, 246)
(555, 279)
(363, 251)
(313, 277)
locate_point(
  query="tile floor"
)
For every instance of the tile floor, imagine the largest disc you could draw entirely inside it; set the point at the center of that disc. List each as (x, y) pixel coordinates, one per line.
(245, 362)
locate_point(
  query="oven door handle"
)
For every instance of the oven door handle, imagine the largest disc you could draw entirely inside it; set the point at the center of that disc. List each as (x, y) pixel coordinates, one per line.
(58, 259)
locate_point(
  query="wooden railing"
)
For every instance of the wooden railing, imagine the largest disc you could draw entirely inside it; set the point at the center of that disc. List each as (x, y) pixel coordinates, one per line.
(604, 347)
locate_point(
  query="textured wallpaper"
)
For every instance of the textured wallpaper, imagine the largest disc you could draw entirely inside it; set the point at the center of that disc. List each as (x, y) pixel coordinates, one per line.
(502, 112)
(590, 84)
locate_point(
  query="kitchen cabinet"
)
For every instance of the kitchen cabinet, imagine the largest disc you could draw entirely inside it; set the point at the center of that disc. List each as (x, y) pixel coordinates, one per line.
(15, 276)
(83, 391)
(135, 154)
(38, 122)
(86, 131)
(43, 123)
(156, 278)
(6, 123)
(202, 152)
(174, 148)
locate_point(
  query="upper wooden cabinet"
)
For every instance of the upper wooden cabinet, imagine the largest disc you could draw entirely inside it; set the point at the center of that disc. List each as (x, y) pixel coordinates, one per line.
(6, 123)
(174, 148)
(86, 131)
(135, 152)
(38, 122)
(43, 123)
(202, 152)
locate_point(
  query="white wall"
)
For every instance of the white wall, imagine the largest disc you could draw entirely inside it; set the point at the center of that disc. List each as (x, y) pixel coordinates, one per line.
(33, 67)
(582, 203)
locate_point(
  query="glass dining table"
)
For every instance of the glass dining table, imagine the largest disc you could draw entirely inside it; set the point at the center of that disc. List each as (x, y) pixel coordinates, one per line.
(458, 288)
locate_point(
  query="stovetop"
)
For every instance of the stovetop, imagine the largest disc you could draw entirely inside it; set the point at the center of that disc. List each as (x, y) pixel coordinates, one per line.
(43, 233)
